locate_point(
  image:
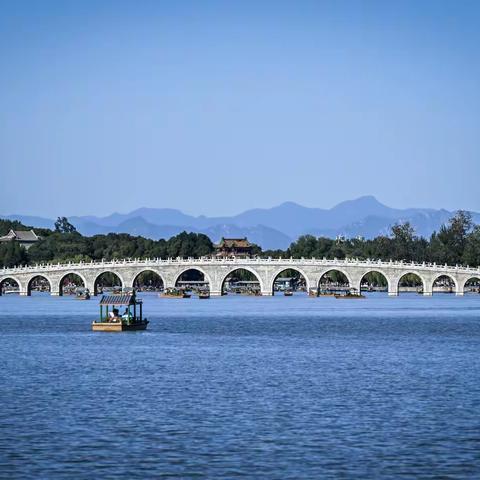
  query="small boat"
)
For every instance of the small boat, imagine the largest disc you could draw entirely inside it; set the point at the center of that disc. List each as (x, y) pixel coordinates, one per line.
(174, 293)
(326, 293)
(111, 320)
(351, 294)
(288, 293)
(82, 294)
(203, 295)
(11, 290)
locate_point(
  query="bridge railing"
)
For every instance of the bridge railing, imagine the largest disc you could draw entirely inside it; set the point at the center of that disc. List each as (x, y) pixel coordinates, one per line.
(233, 261)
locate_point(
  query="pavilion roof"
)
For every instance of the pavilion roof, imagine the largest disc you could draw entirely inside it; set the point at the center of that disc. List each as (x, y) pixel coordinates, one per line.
(21, 235)
(121, 299)
(234, 243)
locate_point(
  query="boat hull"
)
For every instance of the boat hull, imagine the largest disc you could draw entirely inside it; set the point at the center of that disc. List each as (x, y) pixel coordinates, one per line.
(349, 297)
(118, 326)
(166, 295)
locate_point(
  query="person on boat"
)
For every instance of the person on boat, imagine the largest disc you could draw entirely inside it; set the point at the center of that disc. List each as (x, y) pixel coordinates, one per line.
(126, 314)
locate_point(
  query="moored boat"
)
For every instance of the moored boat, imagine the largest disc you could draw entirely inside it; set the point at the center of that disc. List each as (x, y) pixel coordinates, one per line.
(10, 290)
(82, 294)
(111, 320)
(174, 293)
(203, 295)
(288, 293)
(326, 293)
(351, 294)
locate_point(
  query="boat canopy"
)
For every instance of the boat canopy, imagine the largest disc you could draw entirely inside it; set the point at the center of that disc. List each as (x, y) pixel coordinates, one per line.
(123, 299)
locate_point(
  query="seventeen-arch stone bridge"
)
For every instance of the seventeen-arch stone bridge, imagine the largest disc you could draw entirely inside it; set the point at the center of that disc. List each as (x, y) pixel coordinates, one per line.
(217, 270)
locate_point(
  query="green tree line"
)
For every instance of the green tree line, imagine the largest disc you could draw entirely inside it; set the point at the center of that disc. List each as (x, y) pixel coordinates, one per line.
(457, 242)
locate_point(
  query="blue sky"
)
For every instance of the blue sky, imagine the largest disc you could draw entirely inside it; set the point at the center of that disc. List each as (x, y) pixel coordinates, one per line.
(216, 107)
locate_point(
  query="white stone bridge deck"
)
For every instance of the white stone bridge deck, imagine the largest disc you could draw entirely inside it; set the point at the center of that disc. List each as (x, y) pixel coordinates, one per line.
(216, 271)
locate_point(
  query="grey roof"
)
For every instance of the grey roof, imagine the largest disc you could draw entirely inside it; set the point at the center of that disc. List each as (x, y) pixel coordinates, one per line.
(21, 236)
(122, 299)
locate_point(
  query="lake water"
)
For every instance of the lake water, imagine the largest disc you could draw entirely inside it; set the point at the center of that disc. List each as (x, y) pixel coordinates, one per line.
(230, 387)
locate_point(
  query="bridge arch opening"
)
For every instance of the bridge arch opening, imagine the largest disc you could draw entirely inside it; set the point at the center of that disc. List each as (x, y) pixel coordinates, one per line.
(193, 280)
(374, 281)
(70, 283)
(39, 284)
(289, 280)
(8, 286)
(333, 281)
(108, 282)
(148, 281)
(410, 283)
(443, 284)
(241, 282)
(472, 285)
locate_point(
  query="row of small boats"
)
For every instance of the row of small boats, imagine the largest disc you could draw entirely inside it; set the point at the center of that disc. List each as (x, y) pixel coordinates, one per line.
(181, 293)
(350, 294)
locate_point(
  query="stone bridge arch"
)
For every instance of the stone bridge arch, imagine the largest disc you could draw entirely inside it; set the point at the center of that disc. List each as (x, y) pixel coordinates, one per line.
(205, 273)
(333, 268)
(31, 278)
(379, 271)
(278, 271)
(130, 283)
(21, 288)
(436, 276)
(261, 278)
(462, 283)
(97, 275)
(59, 281)
(427, 282)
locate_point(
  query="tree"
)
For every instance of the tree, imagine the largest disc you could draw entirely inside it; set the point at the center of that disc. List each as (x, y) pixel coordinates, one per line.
(471, 254)
(305, 246)
(62, 225)
(403, 239)
(448, 245)
(12, 255)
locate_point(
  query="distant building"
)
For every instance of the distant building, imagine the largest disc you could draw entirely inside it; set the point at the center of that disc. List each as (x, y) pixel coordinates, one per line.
(26, 238)
(234, 247)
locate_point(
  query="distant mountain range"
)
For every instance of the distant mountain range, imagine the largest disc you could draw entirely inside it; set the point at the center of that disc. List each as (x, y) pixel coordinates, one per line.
(271, 228)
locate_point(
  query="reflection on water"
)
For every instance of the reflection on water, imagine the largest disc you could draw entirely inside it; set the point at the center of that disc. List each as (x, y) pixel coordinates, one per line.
(282, 387)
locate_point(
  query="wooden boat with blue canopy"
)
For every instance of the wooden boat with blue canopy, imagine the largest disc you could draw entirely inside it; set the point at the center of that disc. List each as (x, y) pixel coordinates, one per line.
(112, 320)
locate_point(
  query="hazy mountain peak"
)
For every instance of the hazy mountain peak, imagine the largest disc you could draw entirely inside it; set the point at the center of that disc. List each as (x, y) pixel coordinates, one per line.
(272, 227)
(366, 201)
(290, 204)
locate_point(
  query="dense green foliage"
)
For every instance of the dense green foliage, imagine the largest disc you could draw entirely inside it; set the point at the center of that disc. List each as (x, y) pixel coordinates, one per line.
(63, 247)
(7, 225)
(458, 242)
